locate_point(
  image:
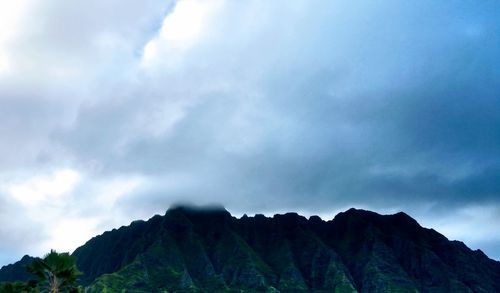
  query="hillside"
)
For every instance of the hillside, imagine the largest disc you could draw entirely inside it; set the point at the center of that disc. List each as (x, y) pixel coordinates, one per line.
(191, 250)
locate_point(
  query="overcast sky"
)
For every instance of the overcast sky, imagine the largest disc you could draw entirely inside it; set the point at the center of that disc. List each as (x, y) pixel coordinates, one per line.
(113, 110)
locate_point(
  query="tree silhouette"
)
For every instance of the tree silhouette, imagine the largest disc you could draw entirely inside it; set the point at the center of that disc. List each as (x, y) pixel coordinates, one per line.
(56, 273)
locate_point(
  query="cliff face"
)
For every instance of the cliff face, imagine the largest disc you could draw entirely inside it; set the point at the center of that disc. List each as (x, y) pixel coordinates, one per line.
(386, 251)
(190, 250)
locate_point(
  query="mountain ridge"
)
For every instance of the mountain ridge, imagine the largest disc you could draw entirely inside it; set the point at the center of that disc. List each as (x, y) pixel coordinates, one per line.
(207, 250)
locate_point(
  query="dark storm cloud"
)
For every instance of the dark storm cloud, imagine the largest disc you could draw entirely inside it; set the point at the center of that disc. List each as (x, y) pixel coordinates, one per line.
(388, 106)
(434, 138)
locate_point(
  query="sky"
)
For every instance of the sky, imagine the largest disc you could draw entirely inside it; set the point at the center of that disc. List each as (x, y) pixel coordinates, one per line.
(114, 110)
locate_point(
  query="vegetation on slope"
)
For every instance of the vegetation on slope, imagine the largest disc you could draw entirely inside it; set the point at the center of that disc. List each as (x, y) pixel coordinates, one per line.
(55, 273)
(189, 250)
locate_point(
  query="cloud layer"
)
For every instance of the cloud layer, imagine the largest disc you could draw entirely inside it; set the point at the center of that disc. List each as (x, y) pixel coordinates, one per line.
(111, 111)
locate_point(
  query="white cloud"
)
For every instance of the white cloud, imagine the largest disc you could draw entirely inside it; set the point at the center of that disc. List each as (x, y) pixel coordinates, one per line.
(66, 209)
(186, 25)
(111, 190)
(68, 233)
(43, 189)
(472, 223)
(12, 14)
(4, 63)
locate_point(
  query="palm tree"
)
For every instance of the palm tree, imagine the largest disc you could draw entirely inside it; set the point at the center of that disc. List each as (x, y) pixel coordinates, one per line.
(56, 272)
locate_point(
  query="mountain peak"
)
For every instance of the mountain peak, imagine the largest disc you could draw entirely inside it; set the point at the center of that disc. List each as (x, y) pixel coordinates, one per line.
(356, 214)
(205, 249)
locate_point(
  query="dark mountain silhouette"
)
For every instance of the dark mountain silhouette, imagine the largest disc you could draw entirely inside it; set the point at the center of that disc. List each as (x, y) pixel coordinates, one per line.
(208, 250)
(16, 271)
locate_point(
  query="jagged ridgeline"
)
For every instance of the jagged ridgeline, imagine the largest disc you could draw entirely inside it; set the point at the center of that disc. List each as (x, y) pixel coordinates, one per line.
(195, 250)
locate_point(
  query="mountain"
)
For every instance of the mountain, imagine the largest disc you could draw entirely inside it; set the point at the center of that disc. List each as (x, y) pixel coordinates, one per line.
(16, 271)
(208, 250)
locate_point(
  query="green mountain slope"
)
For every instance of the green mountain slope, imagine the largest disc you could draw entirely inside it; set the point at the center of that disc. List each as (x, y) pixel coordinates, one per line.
(16, 271)
(193, 250)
